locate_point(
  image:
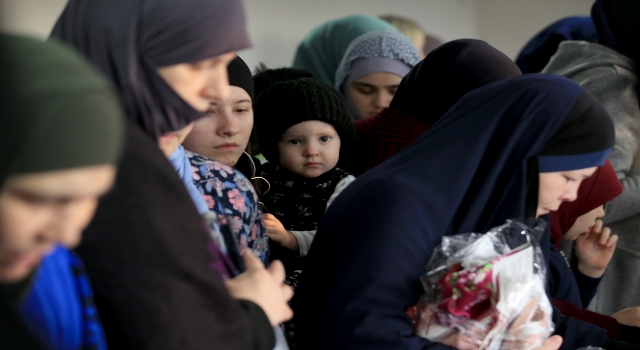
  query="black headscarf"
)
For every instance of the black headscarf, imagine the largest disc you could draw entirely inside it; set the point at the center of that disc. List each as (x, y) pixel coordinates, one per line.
(468, 173)
(240, 76)
(130, 39)
(446, 74)
(618, 26)
(58, 111)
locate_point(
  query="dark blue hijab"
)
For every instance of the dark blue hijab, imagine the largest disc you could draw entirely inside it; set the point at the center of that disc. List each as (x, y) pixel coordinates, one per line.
(536, 53)
(471, 171)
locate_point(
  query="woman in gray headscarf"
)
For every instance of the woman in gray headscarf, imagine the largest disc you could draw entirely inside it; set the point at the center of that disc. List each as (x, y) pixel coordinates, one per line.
(609, 70)
(371, 70)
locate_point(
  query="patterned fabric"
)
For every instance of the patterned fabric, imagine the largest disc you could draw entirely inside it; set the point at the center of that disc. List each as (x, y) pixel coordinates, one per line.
(231, 196)
(59, 309)
(385, 43)
(299, 202)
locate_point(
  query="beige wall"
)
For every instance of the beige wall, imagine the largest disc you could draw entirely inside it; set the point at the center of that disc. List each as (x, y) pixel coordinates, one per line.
(276, 26)
(34, 17)
(509, 24)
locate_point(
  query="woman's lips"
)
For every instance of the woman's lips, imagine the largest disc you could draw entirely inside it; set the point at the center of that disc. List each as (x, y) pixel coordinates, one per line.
(226, 147)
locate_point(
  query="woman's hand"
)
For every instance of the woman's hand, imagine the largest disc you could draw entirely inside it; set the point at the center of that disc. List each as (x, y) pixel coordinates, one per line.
(552, 343)
(277, 233)
(594, 250)
(629, 316)
(265, 287)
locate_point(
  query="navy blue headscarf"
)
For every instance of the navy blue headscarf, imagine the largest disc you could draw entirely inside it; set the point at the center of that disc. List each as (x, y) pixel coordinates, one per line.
(618, 25)
(446, 74)
(130, 39)
(536, 53)
(468, 173)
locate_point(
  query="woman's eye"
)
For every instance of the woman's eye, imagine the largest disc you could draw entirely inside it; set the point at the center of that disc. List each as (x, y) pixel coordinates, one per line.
(241, 110)
(365, 91)
(325, 138)
(294, 142)
(33, 199)
(198, 65)
(393, 91)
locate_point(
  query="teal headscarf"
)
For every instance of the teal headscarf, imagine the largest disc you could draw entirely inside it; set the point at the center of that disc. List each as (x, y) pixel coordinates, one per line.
(324, 46)
(56, 111)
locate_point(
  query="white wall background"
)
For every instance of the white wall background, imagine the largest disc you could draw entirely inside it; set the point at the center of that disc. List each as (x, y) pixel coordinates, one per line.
(276, 26)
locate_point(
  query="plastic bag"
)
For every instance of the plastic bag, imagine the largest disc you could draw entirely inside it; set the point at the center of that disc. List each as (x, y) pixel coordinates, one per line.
(487, 291)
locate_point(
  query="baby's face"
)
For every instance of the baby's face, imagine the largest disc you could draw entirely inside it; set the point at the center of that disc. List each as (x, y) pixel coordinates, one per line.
(310, 148)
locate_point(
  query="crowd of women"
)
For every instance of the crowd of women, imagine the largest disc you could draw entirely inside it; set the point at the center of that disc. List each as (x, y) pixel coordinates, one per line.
(155, 194)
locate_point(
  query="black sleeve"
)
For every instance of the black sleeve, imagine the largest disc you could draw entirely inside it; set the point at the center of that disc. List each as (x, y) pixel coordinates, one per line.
(156, 283)
(612, 344)
(263, 336)
(629, 334)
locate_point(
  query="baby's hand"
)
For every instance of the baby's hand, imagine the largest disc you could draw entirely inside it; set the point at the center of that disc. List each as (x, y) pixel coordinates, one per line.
(277, 233)
(594, 250)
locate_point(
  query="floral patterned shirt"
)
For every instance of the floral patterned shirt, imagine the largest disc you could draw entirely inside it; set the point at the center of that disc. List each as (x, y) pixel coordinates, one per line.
(231, 196)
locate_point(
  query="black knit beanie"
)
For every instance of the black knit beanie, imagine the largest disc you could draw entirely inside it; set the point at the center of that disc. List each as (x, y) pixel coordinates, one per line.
(266, 77)
(286, 103)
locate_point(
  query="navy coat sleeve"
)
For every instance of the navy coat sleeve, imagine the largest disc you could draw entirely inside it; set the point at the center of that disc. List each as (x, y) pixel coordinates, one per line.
(561, 281)
(363, 273)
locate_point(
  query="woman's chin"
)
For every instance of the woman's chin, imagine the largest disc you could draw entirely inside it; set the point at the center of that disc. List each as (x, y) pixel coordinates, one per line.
(16, 273)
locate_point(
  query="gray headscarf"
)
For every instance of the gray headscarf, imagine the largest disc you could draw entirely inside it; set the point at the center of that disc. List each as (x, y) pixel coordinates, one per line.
(57, 111)
(386, 51)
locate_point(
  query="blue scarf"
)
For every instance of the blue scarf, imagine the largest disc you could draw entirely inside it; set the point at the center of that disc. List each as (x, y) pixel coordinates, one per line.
(181, 163)
(58, 309)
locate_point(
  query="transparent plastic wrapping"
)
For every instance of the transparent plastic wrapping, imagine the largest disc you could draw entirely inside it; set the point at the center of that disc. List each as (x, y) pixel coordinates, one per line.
(487, 291)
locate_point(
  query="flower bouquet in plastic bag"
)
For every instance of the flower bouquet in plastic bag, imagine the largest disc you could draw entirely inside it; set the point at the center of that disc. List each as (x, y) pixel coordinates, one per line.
(487, 291)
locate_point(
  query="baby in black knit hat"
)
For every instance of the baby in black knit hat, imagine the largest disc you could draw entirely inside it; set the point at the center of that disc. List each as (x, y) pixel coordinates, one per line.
(304, 128)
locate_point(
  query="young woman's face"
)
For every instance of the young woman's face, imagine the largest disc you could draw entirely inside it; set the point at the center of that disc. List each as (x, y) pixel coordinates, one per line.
(373, 92)
(40, 210)
(198, 83)
(224, 134)
(583, 223)
(310, 148)
(558, 187)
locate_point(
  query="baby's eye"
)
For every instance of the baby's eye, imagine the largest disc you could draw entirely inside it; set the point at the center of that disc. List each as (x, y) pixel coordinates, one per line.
(294, 141)
(325, 138)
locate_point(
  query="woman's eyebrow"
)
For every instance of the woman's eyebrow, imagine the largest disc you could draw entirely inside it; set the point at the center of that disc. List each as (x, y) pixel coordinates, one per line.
(365, 85)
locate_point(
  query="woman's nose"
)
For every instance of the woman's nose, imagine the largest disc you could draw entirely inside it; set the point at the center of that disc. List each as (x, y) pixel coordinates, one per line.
(217, 84)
